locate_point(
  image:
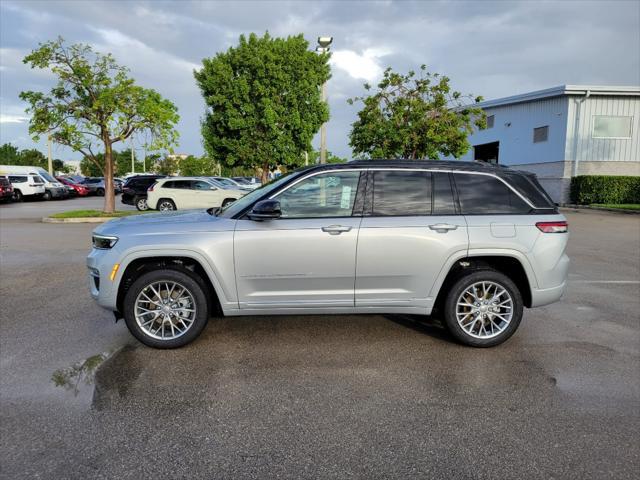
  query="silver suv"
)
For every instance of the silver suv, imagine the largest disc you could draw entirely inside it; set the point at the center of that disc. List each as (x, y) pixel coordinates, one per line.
(475, 242)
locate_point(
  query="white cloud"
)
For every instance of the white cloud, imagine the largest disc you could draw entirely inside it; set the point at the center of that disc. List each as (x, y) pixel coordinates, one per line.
(4, 118)
(365, 66)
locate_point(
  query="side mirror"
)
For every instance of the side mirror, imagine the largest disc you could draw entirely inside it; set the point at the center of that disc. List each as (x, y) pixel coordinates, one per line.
(265, 210)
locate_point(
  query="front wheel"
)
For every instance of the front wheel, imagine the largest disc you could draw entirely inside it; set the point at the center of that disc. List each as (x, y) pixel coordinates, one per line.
(165, 309)
(483, 308)
(46, 195)
(227, 201)
(141, 204)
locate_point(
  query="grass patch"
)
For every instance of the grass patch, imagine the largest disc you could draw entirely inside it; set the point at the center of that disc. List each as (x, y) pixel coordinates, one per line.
(621, 206)
(94, 213)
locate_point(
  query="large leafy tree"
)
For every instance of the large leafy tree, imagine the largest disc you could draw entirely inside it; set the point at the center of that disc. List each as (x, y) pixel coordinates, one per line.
(414, 116)
(94, 105)
(263, 102)
(198, 166)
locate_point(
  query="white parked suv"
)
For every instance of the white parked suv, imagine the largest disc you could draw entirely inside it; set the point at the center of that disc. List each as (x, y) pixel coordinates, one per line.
(180, 193)
(473, 242)
(27, 185)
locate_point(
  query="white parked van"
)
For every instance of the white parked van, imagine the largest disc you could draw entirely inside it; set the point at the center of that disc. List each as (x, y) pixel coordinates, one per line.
(33, 181)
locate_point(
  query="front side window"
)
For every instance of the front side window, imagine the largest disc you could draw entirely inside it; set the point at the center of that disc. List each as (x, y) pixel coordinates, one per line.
(401, 193)
(200, 185)
(325, 195)
(38, 180)
(611, 127)
(486, 195)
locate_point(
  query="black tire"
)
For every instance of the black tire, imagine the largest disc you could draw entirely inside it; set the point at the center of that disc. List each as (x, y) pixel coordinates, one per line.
(166, 205)
(17, 196)
(458, 288)
(100, 192)
(141, 203)
(227, 201)
(46, 196)
(192, 284)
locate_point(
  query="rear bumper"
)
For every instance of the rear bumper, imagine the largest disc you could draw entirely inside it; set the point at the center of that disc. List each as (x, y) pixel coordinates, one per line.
(546, 296)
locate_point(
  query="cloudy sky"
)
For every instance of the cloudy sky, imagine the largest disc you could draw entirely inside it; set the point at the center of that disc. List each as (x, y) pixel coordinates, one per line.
(492, 49)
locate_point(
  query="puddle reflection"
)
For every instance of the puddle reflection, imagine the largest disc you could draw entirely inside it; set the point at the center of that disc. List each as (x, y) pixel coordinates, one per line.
(80, 373)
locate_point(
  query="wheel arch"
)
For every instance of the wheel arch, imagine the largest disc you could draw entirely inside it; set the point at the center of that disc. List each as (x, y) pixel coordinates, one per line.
(188, 262)
(513, 264)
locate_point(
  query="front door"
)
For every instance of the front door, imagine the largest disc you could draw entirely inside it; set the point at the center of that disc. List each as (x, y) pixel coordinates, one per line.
(307, 257)
(408, 231)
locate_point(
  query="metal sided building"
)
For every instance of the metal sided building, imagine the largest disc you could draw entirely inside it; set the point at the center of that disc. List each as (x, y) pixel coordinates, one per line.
(562, 132)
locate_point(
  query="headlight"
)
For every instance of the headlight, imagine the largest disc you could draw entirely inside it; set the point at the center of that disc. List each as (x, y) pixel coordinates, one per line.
(103, 242)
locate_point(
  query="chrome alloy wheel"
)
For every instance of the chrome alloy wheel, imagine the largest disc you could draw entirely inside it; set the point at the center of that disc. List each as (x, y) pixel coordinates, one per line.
(165, 310)
(484, 309)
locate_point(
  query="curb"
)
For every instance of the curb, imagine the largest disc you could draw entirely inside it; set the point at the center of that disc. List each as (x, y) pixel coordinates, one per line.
(77, 220)
(601, 209)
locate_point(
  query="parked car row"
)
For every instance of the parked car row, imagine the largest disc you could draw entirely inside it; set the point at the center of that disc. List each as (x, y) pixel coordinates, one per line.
(164, 193)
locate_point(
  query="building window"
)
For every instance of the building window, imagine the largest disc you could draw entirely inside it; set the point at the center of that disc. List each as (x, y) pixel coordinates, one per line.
(611, 127)
(491, 120)
(541, 134)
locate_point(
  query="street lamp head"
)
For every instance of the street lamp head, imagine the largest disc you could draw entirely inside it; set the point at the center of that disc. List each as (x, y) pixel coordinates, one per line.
(324, 42)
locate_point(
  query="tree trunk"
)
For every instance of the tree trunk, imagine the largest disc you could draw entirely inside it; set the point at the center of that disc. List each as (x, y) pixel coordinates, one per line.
(109, 194)
(265, 173)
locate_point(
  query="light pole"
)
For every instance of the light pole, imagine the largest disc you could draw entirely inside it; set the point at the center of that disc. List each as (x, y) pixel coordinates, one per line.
(323, 47)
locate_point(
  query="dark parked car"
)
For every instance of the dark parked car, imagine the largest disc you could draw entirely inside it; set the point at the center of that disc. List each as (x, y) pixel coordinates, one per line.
(6, 190)
(134, 190)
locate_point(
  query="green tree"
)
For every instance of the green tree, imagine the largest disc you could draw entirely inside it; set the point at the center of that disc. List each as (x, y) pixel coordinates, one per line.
(95, 104)
(314, 157)
(263, 102)
(9, 154)
(193, 166)
(414, 116)
(166, 166)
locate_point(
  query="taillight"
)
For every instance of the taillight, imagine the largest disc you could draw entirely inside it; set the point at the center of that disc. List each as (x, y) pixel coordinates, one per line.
(150, 189)
(553, 227)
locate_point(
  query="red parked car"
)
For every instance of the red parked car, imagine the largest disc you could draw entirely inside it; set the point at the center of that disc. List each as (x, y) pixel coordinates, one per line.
(80, 190)
(6, 190)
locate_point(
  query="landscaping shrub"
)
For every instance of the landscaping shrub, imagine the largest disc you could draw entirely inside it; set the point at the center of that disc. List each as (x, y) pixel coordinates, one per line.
(588, 189)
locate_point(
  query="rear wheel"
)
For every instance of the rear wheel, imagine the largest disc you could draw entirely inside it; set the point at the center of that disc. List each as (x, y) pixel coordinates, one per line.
(17, 196)
(483, 308)
(100, 191)
(141, 203)
(165, 205)
(165, 309)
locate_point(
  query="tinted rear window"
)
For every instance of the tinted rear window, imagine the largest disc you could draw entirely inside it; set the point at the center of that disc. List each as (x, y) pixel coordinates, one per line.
(398, 193)
(180, 184)
(487, 195)
(17, 179)
(530, 188)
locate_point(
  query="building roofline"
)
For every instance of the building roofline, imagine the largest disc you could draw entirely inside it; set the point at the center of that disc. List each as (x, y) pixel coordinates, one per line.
(561, 90)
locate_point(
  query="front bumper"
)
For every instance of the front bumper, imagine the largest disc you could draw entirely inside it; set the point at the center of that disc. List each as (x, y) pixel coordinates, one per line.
(103, 290)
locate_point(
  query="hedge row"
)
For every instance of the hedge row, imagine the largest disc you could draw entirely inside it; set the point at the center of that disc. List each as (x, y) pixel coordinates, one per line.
(588, 189)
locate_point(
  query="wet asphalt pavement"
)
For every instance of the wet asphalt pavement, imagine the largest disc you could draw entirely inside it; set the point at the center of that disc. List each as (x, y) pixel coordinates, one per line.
(316, 397)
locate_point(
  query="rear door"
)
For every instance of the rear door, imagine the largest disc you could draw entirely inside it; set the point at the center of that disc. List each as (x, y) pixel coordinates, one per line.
(409, 229)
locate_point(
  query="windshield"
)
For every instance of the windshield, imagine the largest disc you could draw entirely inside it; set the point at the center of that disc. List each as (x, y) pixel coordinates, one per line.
(243, 202)
(227, 182)
(47, 177)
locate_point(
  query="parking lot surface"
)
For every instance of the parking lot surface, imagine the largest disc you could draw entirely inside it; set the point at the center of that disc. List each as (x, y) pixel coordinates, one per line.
(316, 396)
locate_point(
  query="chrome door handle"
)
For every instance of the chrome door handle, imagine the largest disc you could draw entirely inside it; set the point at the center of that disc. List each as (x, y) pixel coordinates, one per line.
(443, 227)
(336, 229)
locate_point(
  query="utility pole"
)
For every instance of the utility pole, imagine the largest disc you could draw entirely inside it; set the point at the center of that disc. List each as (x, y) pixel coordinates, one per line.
(323, 47)
(323, 130)
(133, 158)
(144, 158)
(49, 154)
(306, 158)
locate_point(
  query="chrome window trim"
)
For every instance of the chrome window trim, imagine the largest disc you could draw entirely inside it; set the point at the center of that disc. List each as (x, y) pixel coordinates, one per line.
(432, 170)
